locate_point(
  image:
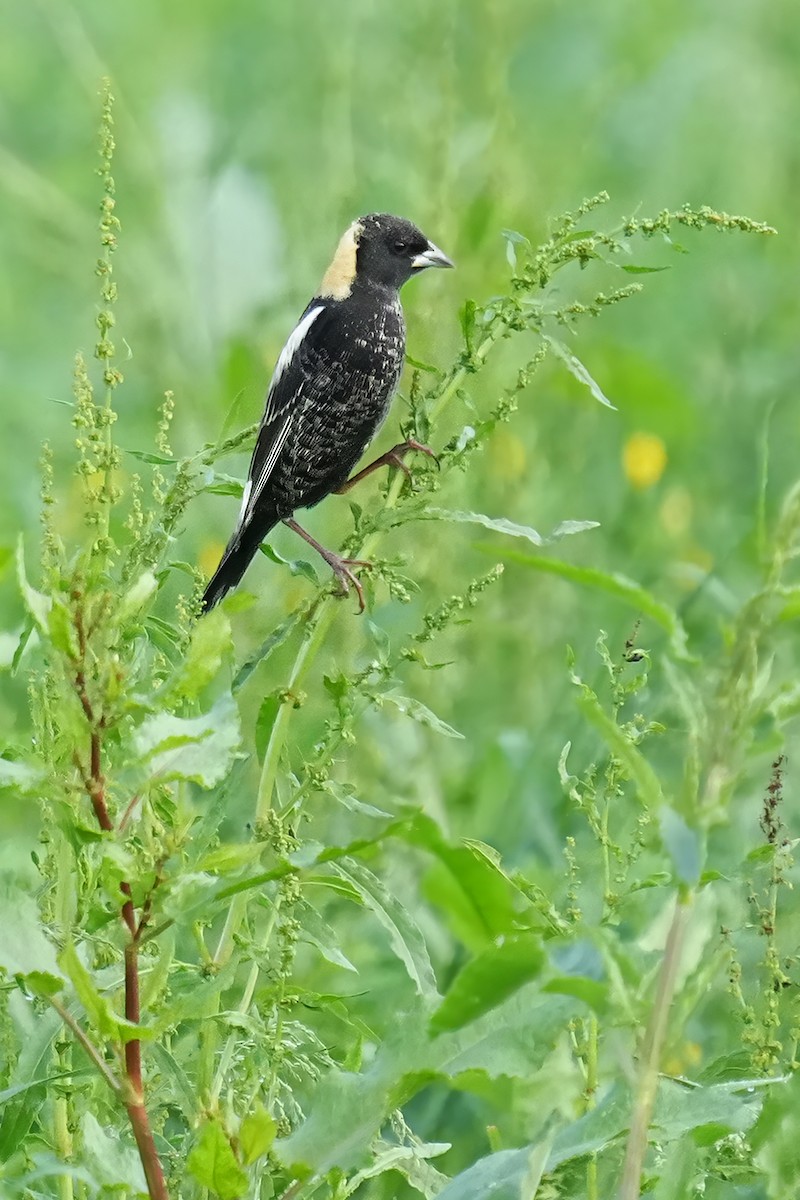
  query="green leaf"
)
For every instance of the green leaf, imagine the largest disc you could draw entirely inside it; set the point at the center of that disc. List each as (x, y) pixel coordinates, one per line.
(61, 629)
(137, 596)
(632, 270)
(256, 1134)
(502, 525)
(591, 991)
(775, 1139)
(297, 566)
(488, 980)
(468, 884)
(24, 946)
(42, 983)
(199, 749)
(576, 368)
(98, 1009)
(37, 604)
(113, 1163)
(225, 485)
(211, 643)
(214, 1166)
(467, 316)
(265, 720)
(275, 639)
(349, 1109)
(420, 713)
(147, 456)
(405, 936)
(19, 775)
(36, 1032)
(506, 1175)
(612, 583)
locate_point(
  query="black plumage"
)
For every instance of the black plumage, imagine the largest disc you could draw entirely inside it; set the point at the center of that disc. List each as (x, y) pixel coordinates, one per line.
(330, 391)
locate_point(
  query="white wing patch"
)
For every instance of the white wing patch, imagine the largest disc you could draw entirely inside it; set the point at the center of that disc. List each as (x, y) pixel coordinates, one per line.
(248, 487)
(293, 343)
(253, 487)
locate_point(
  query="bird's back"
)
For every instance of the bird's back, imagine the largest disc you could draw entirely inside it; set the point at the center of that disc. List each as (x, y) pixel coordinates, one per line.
(341, 383)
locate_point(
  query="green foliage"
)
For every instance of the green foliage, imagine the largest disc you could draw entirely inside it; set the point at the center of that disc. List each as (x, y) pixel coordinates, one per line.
(293, 923)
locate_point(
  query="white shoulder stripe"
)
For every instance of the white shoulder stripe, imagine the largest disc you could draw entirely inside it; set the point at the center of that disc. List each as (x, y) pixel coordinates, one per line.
(294, 341)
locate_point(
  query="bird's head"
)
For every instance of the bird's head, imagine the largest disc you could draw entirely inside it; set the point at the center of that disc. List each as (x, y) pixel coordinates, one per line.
(383, 250)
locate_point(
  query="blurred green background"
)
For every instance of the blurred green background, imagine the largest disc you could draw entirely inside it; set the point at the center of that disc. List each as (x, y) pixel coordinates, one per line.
(250, 134)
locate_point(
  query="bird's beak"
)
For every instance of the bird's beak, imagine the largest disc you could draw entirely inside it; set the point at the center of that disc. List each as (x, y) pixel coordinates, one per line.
(432, 257)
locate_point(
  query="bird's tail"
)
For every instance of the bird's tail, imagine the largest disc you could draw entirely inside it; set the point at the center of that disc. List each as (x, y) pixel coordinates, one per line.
(235, 561)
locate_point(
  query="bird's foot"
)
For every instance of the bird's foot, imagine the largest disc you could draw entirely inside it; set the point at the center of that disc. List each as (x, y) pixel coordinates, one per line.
(392, 458)
(340, 566)
(345, 577)
(395, 457)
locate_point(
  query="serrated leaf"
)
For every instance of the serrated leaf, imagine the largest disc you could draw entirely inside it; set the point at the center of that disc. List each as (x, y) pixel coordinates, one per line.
(113, 1164)
(256, 1134)
(405, 936)
(503, 525)
(24, 946)
(198, 749)
(214, 1166)
(487, 980)
(19, 775)
(576, 368)
(41, 983)
(421, 713)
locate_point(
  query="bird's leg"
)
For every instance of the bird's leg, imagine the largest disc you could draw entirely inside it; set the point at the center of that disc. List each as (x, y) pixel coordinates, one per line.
(340, 566)
(392, 458)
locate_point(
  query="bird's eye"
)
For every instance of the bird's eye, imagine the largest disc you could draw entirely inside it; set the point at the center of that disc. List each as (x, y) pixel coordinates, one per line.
(400, 247)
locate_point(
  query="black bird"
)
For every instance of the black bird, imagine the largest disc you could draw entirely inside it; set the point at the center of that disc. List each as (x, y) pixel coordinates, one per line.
(330, 392)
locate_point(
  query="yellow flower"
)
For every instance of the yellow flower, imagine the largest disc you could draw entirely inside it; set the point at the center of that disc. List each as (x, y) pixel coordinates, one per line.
(209, 556)
(507, 454)
(644, 457)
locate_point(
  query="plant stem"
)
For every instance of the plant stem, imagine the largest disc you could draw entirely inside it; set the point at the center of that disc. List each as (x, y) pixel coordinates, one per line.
(244, 1004)
(95, 786)
(91, 1050)
(591, 1094)
(651, 1052)
(61, 1131)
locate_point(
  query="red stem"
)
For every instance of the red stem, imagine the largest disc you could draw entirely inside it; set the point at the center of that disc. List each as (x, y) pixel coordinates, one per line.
(95, 785)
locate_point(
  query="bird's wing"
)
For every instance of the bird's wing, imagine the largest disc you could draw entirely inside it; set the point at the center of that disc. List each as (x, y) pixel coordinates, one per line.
(290, 378)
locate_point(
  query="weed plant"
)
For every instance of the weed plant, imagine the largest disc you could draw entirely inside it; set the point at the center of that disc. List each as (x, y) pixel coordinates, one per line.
(297, 1005)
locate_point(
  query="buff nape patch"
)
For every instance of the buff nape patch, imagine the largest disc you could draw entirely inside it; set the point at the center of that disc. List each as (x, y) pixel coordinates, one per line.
(337, 282)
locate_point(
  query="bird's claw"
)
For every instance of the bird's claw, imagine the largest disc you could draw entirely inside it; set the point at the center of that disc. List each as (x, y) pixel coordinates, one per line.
(345, 577)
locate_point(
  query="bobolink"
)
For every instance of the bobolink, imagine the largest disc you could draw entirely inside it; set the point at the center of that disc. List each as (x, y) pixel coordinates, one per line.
(330, 392)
